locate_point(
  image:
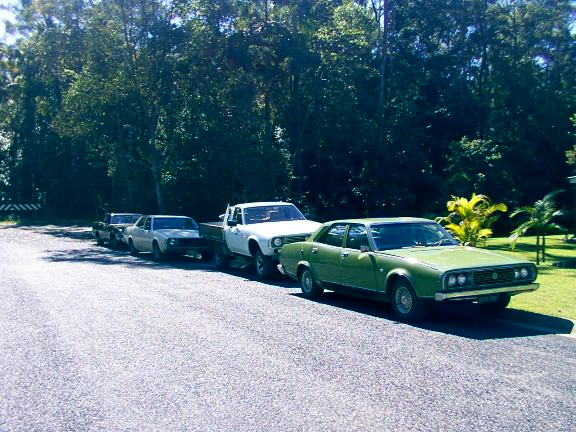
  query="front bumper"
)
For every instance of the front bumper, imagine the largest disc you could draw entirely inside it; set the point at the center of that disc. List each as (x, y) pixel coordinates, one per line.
(478, 293)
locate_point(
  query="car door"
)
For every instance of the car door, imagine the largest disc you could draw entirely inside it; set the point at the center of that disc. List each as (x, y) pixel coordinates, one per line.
(139, 234)
(325, 254)
(148, 234)
(357, 265)
(234, 235)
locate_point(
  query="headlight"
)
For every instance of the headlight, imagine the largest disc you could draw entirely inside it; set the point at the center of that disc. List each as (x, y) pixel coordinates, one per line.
(277, 241)
(521, 273)
(172, 242)
(452, 280)
(461, 279)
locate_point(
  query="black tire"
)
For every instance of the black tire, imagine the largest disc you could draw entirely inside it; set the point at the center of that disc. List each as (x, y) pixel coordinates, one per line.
(264, 265)
(406, 304)
(206, 255)
(114, 242)
(99, 240)
(157, 254)
(133, 250)
(310, 289)
(221, 259)
(497, 306)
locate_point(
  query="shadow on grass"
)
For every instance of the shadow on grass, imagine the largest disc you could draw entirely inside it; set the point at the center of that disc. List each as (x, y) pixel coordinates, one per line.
(553, 252)
(464, 320)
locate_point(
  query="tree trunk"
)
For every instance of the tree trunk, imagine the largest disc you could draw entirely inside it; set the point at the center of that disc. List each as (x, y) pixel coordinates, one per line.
(537, 249)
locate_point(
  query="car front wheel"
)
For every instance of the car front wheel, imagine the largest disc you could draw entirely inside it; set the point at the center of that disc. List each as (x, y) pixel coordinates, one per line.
(114, 242)
(406, 304)
(264, 265)
(133, 250)
(310, 289)
(156, 252)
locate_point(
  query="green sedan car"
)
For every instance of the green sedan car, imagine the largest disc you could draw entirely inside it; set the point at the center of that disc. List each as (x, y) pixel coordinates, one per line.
(409, 262)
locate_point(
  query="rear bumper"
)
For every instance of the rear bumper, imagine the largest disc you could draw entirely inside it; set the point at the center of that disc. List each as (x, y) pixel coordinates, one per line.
(474, 294)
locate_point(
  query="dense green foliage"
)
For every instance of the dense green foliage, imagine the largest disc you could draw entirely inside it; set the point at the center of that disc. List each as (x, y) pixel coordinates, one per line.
(470, 220)
(366, 107)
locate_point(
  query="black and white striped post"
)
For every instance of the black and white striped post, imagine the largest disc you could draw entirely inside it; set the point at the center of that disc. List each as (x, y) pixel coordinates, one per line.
(20, 207)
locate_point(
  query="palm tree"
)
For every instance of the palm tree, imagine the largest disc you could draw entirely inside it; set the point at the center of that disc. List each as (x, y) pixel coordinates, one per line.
(470, 220)
(540, 216)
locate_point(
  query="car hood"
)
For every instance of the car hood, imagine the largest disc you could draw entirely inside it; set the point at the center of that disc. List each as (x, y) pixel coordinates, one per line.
(283, 228)
(178, 233)
(455, 257)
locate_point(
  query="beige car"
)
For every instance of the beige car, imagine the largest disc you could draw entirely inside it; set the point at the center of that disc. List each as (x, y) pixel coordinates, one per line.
(166, 235)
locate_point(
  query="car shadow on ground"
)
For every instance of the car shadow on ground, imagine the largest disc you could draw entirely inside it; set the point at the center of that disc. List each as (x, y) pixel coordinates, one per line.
(73, 232)
(464, 320)
(105, 255)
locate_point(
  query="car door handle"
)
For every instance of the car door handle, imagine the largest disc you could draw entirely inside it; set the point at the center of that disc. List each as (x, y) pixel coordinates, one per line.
(344, 254)
(314, 250)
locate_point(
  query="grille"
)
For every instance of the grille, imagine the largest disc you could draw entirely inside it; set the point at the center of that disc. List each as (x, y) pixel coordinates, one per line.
(295, 238)
(494, 276)
(191, 242)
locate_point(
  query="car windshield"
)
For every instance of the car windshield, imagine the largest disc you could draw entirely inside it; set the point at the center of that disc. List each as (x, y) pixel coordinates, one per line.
(124, 219)
(408, 235)
(272, 213)
(174, 223)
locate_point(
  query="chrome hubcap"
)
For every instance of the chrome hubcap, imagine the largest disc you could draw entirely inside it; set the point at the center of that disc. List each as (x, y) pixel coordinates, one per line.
(307, 282)
(403, 300)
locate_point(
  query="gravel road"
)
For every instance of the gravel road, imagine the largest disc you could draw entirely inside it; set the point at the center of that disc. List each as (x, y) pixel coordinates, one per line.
(93, 339)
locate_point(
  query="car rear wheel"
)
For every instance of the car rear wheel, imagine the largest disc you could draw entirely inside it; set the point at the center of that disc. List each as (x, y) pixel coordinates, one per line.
(309, 287)
(221, 259)
(406, 304)
(99, 240)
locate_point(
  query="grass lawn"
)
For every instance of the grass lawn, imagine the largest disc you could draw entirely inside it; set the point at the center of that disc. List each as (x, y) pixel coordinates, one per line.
(557, 293)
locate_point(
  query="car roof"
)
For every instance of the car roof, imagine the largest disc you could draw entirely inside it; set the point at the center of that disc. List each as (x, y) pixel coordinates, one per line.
(169, 216)
(387, 220)
(262, 204)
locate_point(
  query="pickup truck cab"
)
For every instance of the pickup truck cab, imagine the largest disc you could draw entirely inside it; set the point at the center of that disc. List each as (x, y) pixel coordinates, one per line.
(256, 232)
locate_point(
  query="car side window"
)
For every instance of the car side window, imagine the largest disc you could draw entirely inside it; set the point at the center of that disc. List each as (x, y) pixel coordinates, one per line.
(237, 216)
(333, 236)
(107, 218)
(148, 224)
(140, 222)
(357, 238)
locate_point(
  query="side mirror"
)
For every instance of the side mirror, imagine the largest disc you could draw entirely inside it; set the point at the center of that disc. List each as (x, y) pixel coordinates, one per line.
(364, 249)
(221, 217)
(232, 223)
